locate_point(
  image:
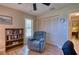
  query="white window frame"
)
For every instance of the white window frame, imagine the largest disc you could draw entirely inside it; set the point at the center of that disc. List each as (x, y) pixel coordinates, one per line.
(26, 28)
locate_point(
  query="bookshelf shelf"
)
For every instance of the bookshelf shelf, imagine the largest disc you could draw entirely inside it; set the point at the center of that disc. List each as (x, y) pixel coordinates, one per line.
(13, 40)
(14, 45)
(14, 37)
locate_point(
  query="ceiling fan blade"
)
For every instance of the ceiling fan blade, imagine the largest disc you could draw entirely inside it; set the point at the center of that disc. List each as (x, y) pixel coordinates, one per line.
(34, 7)
(47, 4)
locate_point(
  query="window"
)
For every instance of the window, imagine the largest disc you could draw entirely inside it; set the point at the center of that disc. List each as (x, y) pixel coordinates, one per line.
(28, 27)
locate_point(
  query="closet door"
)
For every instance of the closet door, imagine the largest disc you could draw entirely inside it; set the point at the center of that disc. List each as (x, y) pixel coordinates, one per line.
(58, 31)
(53, 30)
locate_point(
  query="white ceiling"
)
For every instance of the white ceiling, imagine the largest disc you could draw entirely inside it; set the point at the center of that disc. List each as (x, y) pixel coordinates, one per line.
(28, 7)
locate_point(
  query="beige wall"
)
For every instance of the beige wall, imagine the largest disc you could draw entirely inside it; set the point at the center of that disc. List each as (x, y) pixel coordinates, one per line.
(17, 22)
(63, 27)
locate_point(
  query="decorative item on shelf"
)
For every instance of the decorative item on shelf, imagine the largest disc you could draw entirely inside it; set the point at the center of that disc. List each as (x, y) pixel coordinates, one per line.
(19, 37)
(14, 43)
(20, 31)
(8, 32)
(13, 32)
(15, 36)
(9, 37)
(5, 19)
(12, 37)
(16, 32)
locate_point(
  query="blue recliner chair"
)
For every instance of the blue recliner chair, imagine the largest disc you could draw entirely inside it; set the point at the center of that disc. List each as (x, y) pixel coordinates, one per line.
(37, 43)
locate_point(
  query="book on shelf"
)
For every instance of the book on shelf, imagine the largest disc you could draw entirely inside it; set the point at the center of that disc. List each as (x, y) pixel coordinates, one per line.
(9, 37)
(15, 37)
(20, 31)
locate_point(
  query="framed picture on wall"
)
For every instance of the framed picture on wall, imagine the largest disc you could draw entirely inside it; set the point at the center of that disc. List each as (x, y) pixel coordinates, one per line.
(5, 19)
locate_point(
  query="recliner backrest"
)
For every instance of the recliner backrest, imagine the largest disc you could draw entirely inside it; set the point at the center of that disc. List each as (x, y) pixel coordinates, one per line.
(39, 34)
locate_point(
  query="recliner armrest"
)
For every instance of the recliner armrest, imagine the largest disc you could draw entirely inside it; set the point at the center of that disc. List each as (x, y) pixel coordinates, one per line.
(31, 39)
(41, 40)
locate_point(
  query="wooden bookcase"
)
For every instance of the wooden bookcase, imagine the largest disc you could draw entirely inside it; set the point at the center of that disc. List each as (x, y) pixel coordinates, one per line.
(13, 37)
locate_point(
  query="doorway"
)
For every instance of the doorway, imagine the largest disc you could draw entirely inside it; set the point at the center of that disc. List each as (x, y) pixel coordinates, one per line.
(74, 26)
(74, 30)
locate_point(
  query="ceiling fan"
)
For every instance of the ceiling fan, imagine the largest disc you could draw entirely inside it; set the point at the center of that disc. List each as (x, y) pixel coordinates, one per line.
(35, 7)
